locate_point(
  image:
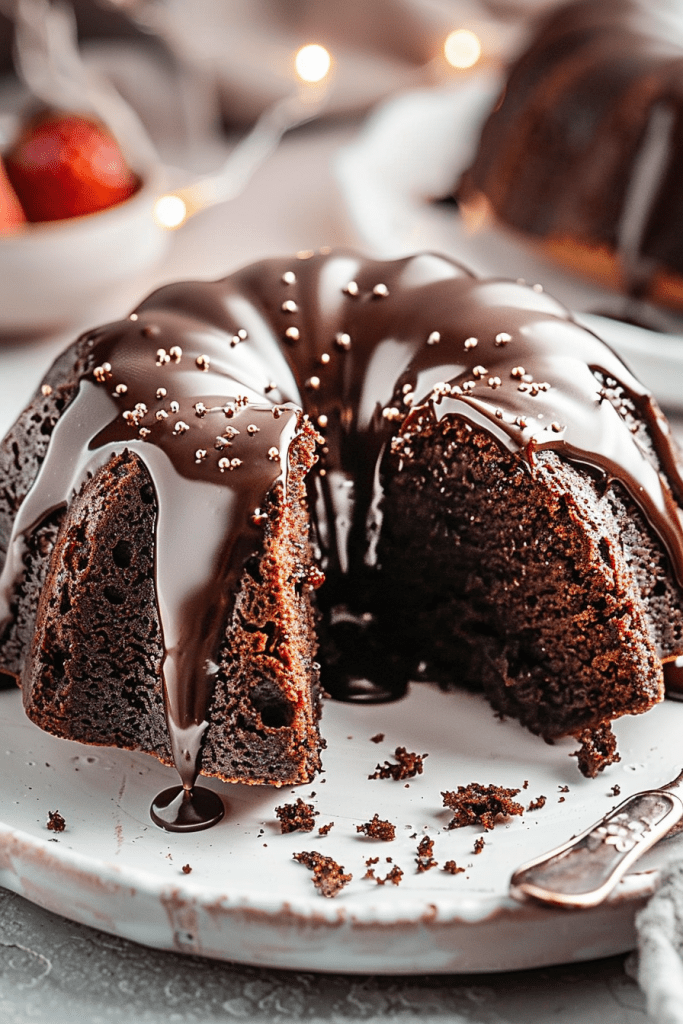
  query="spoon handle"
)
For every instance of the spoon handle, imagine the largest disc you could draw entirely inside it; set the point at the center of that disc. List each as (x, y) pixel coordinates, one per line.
(583, 872)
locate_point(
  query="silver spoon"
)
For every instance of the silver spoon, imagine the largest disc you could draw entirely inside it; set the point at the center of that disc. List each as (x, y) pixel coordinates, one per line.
(584, 871)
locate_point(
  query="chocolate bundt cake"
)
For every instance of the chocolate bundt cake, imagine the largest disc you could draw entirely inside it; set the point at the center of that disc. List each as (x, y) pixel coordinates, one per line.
(492, 497)
(582, 152)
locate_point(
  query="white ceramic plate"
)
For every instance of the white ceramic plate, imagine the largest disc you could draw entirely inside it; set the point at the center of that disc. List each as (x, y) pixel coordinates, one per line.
(413, 150)
(247, 900)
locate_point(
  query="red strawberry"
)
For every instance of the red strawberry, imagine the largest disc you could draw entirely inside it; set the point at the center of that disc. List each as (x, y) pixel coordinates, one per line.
(11, 213)
(64, 165)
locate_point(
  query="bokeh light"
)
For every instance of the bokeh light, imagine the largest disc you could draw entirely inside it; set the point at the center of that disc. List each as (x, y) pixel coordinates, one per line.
(312, 63)
(170, 211)
(462, 48)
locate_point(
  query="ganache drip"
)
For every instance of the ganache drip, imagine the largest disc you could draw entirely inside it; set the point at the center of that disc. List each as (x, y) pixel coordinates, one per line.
(207, 382)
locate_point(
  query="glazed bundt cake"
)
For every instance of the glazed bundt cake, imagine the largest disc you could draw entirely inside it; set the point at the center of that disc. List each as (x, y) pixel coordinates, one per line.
(582, 152)
(491, 496)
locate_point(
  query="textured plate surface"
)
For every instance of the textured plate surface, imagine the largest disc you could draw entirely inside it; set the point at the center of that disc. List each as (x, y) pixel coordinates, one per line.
(411, 152)
(247, 900)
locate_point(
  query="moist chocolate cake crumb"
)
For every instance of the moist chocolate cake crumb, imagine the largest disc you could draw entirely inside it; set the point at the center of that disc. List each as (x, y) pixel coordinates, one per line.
(409, 765)
(615, 790)
(328, 876)
(377, 738)
(378, 829)
(479, 845)
(480, 805)
(525, 784)
(371, 860)
(324, 829)
(394, 876)
(561, 800)
(298, 816)
(424, 860)
(563, 789)
(55, 821)
(452, 868)
(536, 804)
(598, 749)
(186, 869)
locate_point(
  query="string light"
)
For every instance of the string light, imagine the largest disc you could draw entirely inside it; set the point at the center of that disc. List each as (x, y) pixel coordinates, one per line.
(170, 211)
(462, 48)
(312, 62)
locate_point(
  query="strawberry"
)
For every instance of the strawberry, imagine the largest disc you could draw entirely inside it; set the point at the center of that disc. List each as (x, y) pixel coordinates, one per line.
(11, 213)
(64, 165)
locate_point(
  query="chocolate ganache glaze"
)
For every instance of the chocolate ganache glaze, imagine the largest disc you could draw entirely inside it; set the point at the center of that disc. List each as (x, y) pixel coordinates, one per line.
(207, 383)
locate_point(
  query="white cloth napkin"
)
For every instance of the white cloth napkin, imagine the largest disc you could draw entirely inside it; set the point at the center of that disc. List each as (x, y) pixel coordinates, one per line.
(660, 948)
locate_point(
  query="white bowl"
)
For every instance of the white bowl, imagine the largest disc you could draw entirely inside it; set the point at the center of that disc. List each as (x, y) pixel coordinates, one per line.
(55, 274)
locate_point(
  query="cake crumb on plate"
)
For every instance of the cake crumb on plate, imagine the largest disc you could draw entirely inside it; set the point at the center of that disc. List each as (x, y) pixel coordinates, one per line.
(328, 876)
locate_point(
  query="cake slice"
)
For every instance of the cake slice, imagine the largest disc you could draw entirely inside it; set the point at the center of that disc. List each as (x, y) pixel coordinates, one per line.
(84, 632)
(541, 586)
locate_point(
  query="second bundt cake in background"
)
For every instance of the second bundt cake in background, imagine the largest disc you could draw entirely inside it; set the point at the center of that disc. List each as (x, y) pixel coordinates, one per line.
(495, 504)
(583, 151)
